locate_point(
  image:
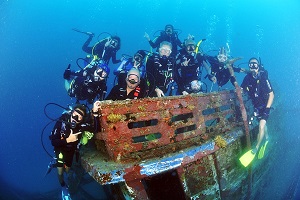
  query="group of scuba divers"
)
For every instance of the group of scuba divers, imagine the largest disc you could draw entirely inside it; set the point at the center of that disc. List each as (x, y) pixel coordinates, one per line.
(164, 72)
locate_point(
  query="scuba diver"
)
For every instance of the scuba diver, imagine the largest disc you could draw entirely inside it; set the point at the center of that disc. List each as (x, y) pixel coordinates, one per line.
(218, 72)
(258, 86)
(169, 35)
(188, 64)
(88, 83)
(133, 89)
(70, 131)
(103, 50)
(137, 61)
(160, 72)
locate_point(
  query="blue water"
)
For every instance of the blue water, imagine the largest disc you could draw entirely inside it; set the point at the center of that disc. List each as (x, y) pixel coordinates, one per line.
(37, 44)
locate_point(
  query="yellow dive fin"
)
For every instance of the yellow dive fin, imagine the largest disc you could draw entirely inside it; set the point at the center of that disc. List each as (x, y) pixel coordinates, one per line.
(247, 158)
(261, 152)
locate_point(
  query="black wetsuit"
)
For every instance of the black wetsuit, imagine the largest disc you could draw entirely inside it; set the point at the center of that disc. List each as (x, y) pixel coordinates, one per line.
(60, 132)
(220, 71)
(187, 74)
(173, 39)
(160, 73)
(109, 52)
(118, 92)
(258, 88)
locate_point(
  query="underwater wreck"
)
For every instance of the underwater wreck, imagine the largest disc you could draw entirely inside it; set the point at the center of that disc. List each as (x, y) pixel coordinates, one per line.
(181, 147)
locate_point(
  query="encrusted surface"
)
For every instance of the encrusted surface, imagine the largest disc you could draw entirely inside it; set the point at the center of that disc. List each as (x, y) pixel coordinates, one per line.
(152, 127)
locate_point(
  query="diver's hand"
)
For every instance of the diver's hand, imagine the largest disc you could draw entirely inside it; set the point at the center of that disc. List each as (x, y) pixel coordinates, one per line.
(108, 42)
(90, 34)
(159, 92)
(266, 112)
(123, 58)
(243, 70)
(212, 78)
(185, 63)
(190, 37)
(185, 93)
(96, 108)
(147, 36)
(72, 137)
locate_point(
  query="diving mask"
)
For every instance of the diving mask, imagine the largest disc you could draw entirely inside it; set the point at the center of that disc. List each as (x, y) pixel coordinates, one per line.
(222, 57)
(253, 65)
(138, 58)
(113, 43)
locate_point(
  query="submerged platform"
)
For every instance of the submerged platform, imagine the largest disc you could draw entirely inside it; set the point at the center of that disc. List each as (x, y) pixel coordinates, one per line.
(182, 146)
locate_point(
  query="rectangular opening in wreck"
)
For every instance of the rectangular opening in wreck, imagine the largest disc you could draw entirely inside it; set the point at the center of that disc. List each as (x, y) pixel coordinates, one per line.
(225, 107)
(145, 138)
(140, 124)
(230, 117)
(208, 111)
(222, 108)
(212, 122)
(165, 185)
(182, 117)
(185, 129)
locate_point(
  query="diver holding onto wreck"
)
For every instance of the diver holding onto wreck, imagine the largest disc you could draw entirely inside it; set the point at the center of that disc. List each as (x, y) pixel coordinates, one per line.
(217, 70)
(71, 130)
(259, 88)
(134, 88)
(161, 72)
(188, 68)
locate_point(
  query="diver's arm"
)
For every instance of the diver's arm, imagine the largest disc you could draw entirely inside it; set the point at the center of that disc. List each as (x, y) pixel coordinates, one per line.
(113, 94)
(270, 100)
(179, 43)
(120, 68)
(156, 43)
(85, 46)
(114, 58)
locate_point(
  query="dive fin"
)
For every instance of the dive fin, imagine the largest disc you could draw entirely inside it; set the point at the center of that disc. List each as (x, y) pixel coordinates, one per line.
(262, 150)
(65, 195)
(247, 158)
(79, 31)
(51, 165)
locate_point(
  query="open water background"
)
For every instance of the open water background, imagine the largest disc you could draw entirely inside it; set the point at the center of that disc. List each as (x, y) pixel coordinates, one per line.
(37, 44)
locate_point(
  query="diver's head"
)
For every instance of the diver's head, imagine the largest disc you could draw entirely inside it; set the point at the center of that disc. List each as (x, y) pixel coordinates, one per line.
(115, 42)
(222, 56)
(78, 114)
(133, 78)
(165, 49)
(254, 65)
(139, 56)
(190, 46)
(101, 72)
(169, 29)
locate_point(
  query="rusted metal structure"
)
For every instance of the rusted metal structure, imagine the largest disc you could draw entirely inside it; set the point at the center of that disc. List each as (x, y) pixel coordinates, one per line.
(182, 147)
